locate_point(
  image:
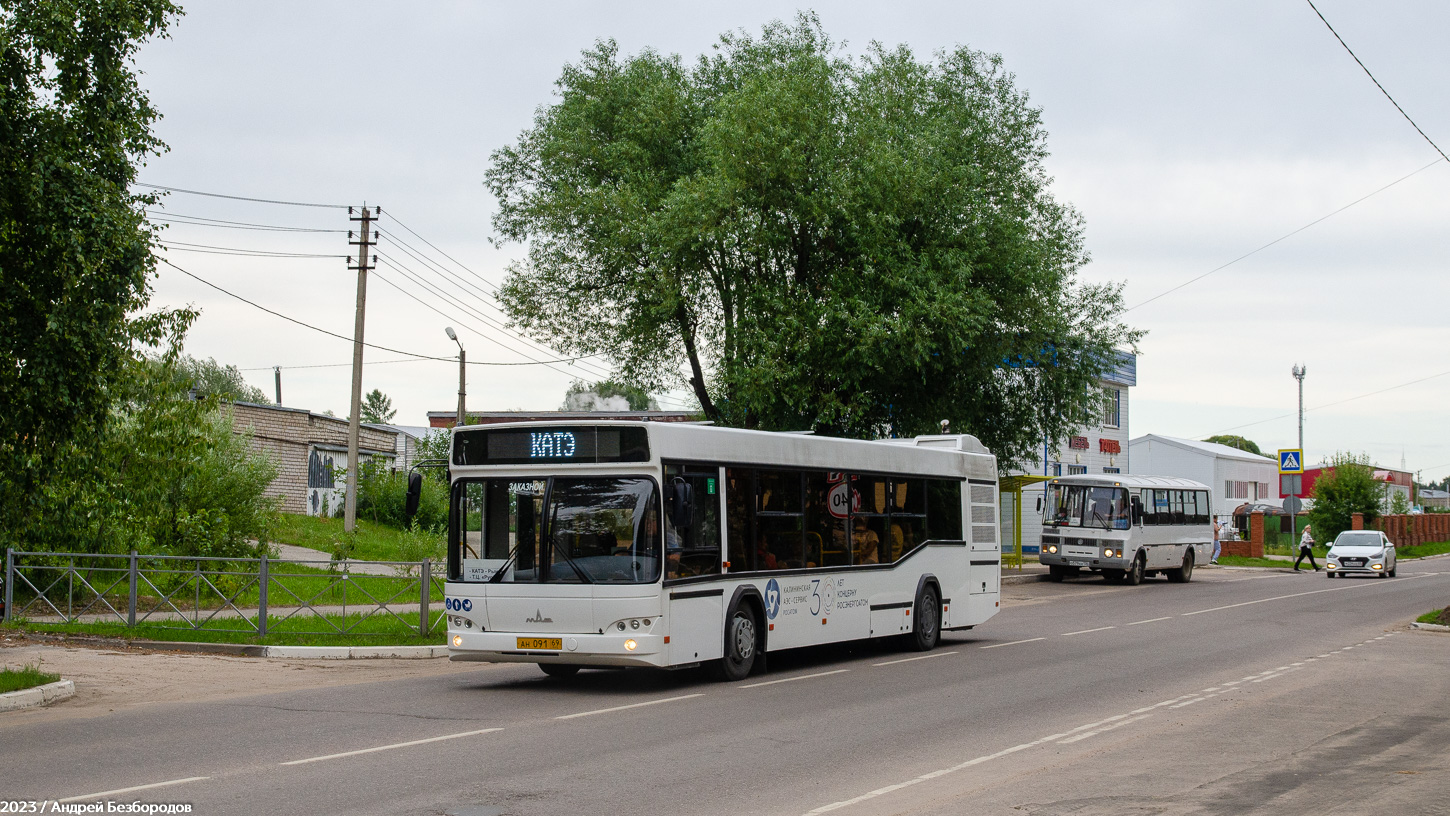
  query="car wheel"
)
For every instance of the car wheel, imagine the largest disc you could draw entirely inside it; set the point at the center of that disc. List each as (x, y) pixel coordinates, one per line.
(1394, 569)
(1134, 575)
(559, 669)
(926, 630)
(740, 643)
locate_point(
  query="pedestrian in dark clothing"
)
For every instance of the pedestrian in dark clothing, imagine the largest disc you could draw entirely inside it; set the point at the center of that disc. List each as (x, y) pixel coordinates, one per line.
(1306, 550)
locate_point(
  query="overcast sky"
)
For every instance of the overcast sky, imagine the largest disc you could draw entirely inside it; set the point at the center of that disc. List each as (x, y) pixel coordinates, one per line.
(1187, 134)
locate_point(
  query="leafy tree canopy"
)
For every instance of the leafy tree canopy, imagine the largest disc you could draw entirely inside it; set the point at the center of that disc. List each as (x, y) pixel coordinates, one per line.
(1340, 493)
(858, 245)
(1239, 442)
(598, 396)
(75, 247)
(377, 408)
(208, 378)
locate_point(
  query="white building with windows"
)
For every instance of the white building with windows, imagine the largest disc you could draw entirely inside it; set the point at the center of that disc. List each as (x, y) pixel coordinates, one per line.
(1100, 447)
(1235, 476)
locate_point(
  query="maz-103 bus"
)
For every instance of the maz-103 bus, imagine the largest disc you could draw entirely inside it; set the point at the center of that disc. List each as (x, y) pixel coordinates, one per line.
(1126, 527)
(674, 545)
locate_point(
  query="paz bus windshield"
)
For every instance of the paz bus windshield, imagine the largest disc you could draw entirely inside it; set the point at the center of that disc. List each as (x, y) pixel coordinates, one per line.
(555, 530)
(1071, 505)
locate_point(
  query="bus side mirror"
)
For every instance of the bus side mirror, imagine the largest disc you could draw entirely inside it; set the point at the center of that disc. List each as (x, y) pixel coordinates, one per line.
(1039, 504)
(681, 504)
(1137, 512)
(410, 500)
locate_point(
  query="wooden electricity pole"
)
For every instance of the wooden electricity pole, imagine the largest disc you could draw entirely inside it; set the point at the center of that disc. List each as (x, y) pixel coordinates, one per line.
(366, 238)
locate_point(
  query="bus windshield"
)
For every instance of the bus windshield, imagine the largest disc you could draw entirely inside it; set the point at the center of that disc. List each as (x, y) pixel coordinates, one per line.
(1085, 506)
(558, 530)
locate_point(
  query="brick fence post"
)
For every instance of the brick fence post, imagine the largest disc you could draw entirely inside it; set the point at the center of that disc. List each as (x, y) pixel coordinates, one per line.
(1356, 521)
(1256, 535)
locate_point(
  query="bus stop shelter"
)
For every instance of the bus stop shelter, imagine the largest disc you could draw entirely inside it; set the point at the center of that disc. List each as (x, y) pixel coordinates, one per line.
(1013, 485)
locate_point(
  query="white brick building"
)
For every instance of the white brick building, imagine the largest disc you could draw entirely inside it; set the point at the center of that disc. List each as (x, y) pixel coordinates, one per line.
(306, 448)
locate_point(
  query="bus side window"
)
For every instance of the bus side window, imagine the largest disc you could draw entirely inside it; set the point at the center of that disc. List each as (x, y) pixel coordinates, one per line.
(1202, 514)
(778, 521)
(1179, 513)
(944, 510)
(826, 539)
(694, 550)
(739, 511)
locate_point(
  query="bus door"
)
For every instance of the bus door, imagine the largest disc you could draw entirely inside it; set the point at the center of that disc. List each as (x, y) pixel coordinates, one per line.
(692, 551)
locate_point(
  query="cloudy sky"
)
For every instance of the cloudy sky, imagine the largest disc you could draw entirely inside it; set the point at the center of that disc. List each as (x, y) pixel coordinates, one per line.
(1188, 134)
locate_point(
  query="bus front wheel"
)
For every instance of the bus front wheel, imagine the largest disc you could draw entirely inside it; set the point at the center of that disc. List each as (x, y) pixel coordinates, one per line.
(740, 646)
(1134, 575)
(926, 629)
(559, 669)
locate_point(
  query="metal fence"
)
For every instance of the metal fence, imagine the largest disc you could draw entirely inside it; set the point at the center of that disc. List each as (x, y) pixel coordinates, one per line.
(258, 596)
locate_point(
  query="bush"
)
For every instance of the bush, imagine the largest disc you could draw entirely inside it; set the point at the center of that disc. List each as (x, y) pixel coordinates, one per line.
(1347, 489)
(381, 495)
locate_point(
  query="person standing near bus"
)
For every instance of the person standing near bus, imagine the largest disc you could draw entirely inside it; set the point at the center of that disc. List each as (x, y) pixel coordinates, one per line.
(1306, 550)
(1217, 528)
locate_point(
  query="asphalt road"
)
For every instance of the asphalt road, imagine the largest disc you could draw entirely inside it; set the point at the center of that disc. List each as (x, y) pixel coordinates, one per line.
(1242, 692)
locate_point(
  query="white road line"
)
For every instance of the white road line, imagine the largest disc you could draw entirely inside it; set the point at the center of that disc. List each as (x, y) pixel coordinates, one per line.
(1080, 737)
(1266, 600)
(390, 747)
(1187, 702)
(909, 659)
(1085, 631)
(105, 794)
(1013, 643)
(631, 705)
(793, 679)
(1150, 620)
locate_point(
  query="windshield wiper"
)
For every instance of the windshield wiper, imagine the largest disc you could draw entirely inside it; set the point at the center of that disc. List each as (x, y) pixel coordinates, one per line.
(558, 545)
(1097, 515)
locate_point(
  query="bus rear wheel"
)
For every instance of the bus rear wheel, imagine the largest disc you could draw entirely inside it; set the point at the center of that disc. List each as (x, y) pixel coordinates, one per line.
(740, 646)
(559, 669)
(926, 629)
(1183, 574)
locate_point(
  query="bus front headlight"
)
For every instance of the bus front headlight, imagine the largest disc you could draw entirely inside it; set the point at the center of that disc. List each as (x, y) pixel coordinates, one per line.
(1052, 549)
(1109, 553)
(630, 645)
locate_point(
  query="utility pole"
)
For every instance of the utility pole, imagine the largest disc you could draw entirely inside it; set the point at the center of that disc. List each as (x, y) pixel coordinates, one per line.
(277, 371)
(1299, 372)
(461, 418)
(366, 238)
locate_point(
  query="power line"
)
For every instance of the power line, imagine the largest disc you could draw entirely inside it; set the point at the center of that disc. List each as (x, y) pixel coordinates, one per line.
(198, 221)
(441, 252)
(254, 304)
(256, 253)
(341, 365)
(1377, 82)
(1282, 237)
(1332, 404)
(241, 198)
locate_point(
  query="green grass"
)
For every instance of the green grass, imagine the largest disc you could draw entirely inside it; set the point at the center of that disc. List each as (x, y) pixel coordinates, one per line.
(376, 630)
(1245, 561)
(370, 541)
(27, 676)
(1423, 550)
(1432, 616)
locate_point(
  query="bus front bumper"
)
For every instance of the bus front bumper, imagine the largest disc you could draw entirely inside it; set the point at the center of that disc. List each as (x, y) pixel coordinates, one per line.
(577, 649)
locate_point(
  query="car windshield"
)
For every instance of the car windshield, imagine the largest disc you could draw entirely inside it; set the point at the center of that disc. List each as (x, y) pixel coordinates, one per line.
(1357, 539)
(559, 530)
(1084, 506)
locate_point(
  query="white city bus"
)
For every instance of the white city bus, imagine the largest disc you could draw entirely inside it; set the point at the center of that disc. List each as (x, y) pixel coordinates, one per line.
(674, 545)
(1126, 527)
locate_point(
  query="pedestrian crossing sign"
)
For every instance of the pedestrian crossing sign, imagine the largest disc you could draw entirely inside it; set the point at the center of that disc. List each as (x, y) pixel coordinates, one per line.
(1291, 461)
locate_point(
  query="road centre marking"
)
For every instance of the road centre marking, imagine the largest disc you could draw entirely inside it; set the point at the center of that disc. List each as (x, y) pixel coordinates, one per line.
(1085, 631)
(1014, 643)
(793, 679)
(1087, 734)
(631, 705)
(909, 659)
(1266, 600)
(1150, 620)
(390, 747)
(109, 793)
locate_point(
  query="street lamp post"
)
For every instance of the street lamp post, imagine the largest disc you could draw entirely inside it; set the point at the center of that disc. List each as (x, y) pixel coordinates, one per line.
(1299, 372)
(462, 417)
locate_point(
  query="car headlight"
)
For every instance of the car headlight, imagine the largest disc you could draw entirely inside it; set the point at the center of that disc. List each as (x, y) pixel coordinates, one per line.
(1377, 566)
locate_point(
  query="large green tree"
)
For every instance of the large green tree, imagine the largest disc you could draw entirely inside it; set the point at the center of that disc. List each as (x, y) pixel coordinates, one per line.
(858, 245)
(75, 247)
(1348, 487)
(208, 378)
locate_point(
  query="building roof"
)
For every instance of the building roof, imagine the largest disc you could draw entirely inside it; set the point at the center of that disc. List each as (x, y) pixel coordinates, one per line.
(270, 407)
(415, 431)
(1210, 448)
(1428, 493)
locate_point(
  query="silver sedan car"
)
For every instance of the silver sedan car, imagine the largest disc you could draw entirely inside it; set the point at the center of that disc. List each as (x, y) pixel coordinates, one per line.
(1361, 552)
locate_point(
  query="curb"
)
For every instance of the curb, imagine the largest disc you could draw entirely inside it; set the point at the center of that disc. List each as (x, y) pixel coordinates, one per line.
(38, 696)
(1430, 627)
(297, 652)
(1029, 578)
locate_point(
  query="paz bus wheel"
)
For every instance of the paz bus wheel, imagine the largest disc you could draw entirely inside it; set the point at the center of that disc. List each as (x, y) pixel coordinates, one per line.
(559, 669)
(1183, 574)
(740, 642)
(926, 629)
(1134, 575)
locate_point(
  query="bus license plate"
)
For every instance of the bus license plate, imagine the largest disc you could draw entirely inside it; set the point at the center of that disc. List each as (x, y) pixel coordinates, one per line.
(544, 644)
(1077, 563)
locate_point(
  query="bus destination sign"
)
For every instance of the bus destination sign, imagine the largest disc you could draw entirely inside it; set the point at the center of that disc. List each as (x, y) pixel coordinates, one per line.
(588, 444)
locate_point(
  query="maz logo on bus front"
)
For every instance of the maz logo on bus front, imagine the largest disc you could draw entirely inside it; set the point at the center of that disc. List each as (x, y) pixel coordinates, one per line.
(551, 445)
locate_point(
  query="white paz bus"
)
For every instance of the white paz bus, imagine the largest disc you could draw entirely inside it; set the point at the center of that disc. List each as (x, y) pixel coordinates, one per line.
(674, 545)
(1126, 527)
